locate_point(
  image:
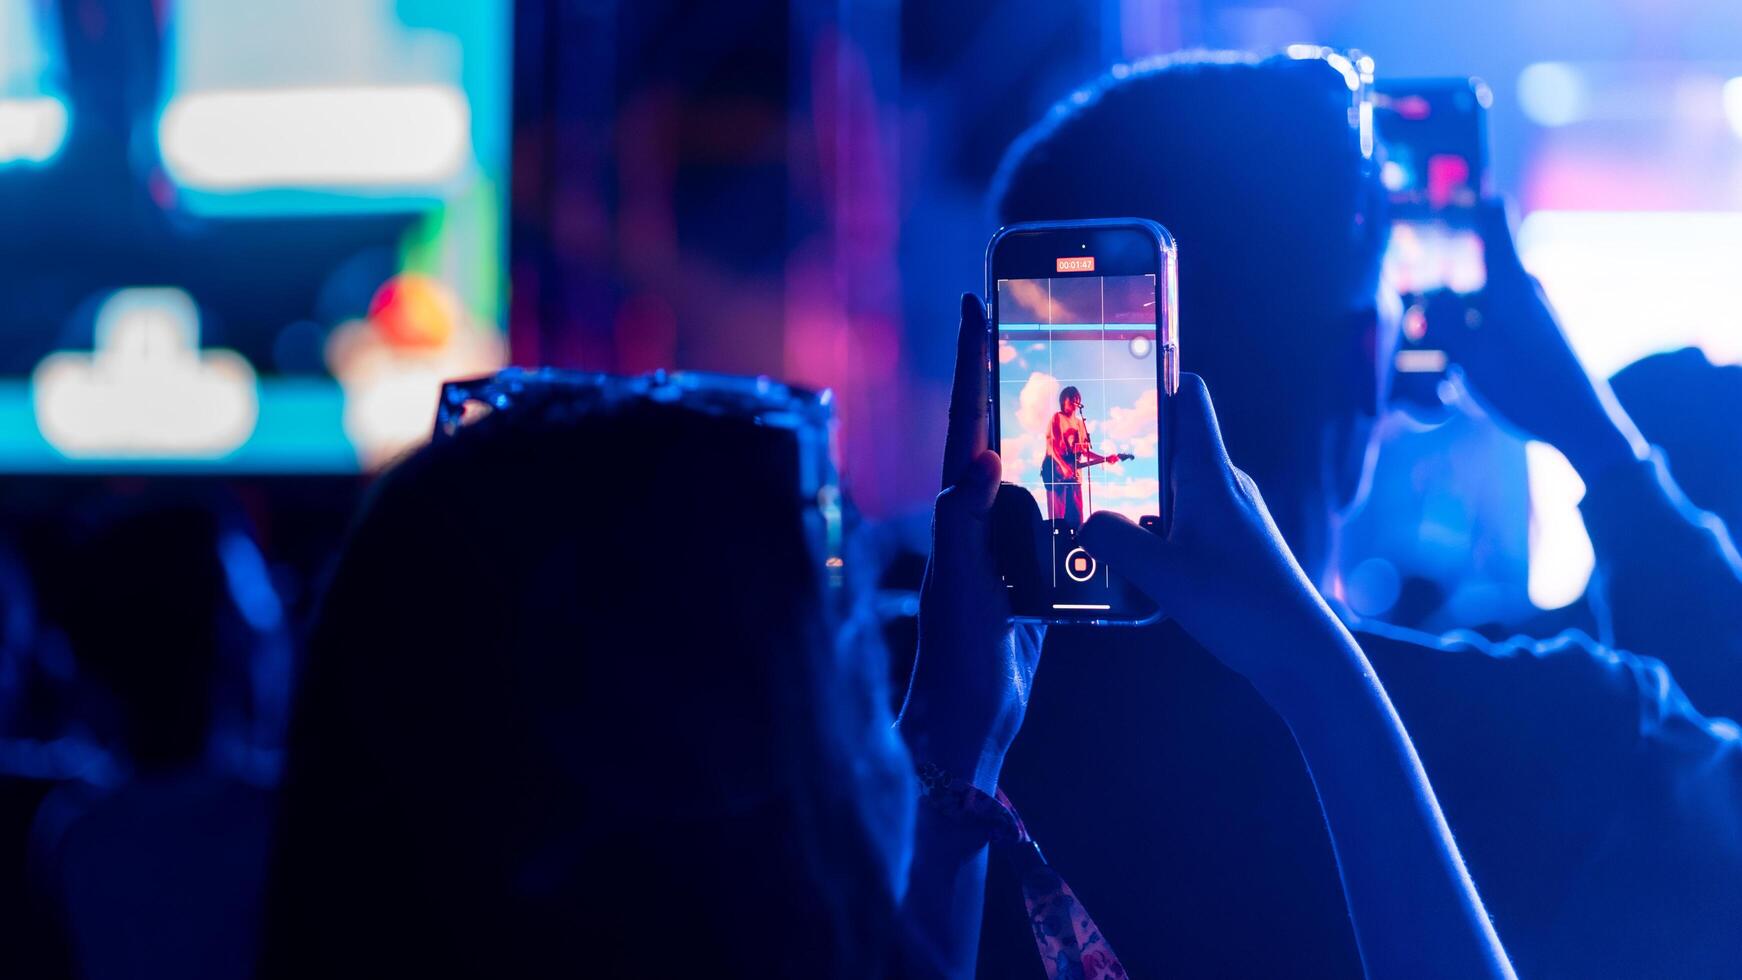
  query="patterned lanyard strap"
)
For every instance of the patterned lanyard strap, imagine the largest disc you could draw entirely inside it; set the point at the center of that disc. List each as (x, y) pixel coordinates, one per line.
(1071, 945)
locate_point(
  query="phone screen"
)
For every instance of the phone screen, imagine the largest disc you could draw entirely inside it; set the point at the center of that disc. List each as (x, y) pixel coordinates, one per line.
(1434, 159)
(1434, 152)
(1083, 316)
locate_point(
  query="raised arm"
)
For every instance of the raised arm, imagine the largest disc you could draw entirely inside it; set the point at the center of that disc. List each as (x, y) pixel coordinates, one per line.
(1669, 573)
(1231, 582)
(971, 679)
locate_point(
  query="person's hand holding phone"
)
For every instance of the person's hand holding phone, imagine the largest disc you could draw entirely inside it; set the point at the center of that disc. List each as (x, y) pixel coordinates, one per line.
(1223, 573)
(1519, 365)
(971, 678)
(1221, 570)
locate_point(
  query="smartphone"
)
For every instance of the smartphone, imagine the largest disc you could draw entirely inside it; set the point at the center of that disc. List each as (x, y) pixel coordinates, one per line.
(1085, 363)
(1433, 148)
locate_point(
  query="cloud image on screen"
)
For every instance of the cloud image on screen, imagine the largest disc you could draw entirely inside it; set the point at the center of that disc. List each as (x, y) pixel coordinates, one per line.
(1096, 335)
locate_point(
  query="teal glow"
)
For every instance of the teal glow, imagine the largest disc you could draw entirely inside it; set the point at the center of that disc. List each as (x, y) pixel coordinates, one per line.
(300, 430)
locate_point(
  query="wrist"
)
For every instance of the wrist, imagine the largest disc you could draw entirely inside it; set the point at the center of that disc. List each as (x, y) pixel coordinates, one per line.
(933, 737)
(1321, 668)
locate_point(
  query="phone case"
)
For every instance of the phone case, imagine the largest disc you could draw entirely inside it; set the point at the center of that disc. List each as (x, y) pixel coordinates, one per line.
(1167, 344)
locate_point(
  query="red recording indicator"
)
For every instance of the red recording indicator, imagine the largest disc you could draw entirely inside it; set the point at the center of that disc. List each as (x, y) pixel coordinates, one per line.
(1076, 263)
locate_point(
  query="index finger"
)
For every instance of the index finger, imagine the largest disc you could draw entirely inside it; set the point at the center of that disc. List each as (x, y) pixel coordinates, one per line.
(966, 438)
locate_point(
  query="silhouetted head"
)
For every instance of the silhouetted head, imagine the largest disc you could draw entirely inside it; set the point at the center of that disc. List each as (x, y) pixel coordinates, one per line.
(587, 696)
(20, 674)
(1689, 407)
(1257, 168)
(150, 617)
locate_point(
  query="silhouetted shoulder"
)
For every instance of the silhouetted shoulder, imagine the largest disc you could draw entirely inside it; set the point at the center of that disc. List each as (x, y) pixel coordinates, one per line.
(1593, 694)
(1577, 780)
(137, 874)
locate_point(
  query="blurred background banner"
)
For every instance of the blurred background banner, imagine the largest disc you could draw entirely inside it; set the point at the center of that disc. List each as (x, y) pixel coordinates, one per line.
(245, 235)
(246, 240)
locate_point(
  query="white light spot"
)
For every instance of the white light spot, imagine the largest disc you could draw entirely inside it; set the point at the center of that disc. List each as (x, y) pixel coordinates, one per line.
(31, 130)
(1561, 559)
(1733, 105)
(1392, 175)
(365, 136)
(1552, 93)
(146, 389)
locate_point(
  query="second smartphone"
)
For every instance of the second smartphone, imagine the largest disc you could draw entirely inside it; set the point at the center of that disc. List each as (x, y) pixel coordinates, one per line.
(1085, 361)
(1433, 139)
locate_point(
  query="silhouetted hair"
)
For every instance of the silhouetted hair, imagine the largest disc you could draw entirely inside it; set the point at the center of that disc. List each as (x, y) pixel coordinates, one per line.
(1069, 392)
(578, 703)
(145, 618)
(1688, 407)
(1256, 169)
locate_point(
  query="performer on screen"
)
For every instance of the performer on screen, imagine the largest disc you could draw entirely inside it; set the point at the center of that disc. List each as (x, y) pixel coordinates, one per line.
(1067, 452)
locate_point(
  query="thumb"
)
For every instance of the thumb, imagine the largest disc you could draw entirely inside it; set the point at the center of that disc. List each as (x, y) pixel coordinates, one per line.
(1139, 555)
(1196, 433)
(979, 483)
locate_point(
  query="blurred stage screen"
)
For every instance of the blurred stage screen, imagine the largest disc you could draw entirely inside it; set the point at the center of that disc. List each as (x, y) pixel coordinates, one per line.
(244, 235)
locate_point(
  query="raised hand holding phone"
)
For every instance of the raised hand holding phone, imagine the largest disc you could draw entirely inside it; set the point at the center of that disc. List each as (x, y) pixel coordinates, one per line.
(1221, 568)
(1519, 365)
(1227, 577)
(971, 678)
